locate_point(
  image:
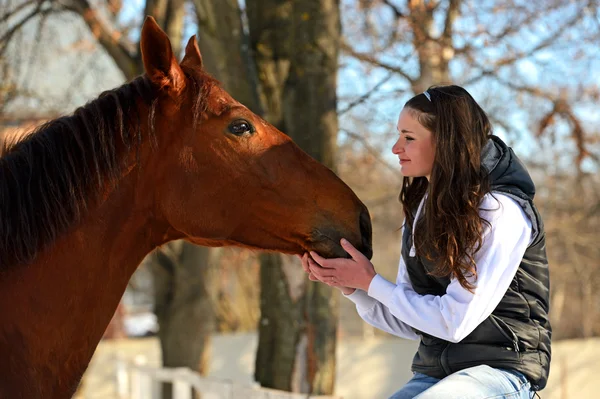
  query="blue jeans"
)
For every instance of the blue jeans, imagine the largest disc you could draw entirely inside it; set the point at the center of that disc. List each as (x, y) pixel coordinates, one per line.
(478, 382)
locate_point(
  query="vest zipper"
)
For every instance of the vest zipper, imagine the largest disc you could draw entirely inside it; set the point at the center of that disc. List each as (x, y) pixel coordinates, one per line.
(514, 339)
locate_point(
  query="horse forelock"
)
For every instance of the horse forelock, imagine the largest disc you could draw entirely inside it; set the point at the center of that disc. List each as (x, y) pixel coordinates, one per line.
(201, 86)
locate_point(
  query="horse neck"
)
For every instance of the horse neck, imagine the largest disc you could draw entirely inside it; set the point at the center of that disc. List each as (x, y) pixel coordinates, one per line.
(54, 311)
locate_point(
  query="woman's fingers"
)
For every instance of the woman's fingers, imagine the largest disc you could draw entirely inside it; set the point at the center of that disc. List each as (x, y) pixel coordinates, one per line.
(314, 268)
(320, 272)
(330, 263)
(304, 260)
(316, 271)
(319, 259)
(353, 252)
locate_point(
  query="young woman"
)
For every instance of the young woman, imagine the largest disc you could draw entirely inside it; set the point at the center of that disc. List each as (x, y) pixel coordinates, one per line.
(472, 282)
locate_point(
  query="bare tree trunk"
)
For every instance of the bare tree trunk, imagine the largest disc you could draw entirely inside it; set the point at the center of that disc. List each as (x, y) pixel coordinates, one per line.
(158, 10)
(434, 53)
(183, 306)
(282, 344)
(174, 25)
(225, 52)
(270, 23)
(296, 48)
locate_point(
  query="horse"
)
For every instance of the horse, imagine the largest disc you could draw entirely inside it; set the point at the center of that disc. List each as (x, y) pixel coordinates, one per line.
(169, 155)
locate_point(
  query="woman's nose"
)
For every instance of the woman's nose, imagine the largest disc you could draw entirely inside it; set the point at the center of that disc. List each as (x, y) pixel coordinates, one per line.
(397, 147)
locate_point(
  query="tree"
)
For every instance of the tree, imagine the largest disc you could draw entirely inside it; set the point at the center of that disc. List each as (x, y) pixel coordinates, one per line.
(182, 305)
(7, 89)
(296, 51)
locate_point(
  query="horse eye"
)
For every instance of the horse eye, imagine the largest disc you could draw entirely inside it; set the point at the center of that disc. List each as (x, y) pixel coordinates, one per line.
(241, 127)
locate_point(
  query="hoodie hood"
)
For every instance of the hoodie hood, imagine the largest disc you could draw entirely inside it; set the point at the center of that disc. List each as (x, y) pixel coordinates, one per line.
(507, 173)
(509, 176)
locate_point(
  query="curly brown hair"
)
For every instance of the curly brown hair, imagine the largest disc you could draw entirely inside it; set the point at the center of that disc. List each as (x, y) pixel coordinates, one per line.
(449, 232)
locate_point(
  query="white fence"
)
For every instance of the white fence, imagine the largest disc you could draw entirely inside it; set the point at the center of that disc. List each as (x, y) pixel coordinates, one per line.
(137, 381)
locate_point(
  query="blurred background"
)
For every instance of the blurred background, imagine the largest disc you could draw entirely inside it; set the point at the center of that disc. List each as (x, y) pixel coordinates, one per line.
(333, 74)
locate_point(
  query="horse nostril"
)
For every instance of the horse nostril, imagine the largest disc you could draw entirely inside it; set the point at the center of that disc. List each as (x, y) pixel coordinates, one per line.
(366, 233)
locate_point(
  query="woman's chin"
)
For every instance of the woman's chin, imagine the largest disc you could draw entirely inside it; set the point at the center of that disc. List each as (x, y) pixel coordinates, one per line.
(406, 172)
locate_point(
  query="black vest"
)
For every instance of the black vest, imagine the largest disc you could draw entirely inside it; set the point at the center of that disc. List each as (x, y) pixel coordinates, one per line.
(517, 335)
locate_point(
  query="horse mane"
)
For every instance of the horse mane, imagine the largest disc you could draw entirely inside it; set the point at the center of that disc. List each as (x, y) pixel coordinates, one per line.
(50, 177)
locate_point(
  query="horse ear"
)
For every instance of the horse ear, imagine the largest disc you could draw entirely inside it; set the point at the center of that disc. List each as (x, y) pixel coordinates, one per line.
(192, 54)
(160, 64)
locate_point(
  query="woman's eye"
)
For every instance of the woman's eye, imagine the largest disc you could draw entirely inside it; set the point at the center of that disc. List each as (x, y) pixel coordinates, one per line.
(409, 138)
(241, 127)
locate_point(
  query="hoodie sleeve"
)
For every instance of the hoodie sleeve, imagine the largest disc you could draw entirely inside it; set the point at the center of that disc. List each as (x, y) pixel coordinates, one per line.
(458, 312)
(379, 315)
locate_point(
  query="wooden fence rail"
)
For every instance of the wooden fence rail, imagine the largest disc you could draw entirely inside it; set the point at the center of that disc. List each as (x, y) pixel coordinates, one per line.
(142, 382)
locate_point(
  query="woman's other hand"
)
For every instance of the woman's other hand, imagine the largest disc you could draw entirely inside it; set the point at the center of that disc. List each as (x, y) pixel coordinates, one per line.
(342, 273)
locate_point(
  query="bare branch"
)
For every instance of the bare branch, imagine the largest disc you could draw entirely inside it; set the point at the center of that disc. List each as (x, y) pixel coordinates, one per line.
(451, 16)
(373, 61)
(366, 95)
(374, 152)
(9, 14)
(563, 109)
(34, 51)
(5, 39)
(112, 41)
(520, 17)
(397, 13)
(544, 43)
(114, 7)
(535, 91)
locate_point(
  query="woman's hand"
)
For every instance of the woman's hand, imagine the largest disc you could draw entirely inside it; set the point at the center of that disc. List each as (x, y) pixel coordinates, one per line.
(305, 265)
(342, 273)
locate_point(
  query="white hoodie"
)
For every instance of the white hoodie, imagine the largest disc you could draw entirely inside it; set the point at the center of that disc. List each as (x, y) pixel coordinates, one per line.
(396, 307)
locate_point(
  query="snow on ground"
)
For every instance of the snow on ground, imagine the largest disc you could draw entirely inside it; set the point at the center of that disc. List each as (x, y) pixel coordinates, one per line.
(366, 368)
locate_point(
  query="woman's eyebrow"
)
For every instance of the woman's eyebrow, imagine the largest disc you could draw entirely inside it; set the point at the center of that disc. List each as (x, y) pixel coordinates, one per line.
(406, 131)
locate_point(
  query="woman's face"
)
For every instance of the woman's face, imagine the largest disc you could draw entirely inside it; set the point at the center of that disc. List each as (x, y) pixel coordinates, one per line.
(415, 146)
